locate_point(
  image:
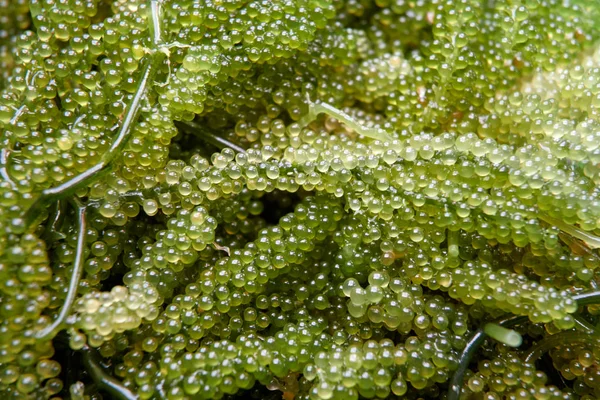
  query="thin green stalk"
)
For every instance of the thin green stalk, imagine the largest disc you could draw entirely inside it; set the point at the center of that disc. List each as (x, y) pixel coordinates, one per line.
(469, 351)
(133, 196)
(325, 108)
(589, 239)
(50, 331)
(558, 339)
(55, 220)
(3, 170)
(155, 29)
(72, 185)
(586, 298)
(582, 324)
(69, 187)
(509, 337)
(479, 336)
(208, 136)
(106, 382)
(453, 249)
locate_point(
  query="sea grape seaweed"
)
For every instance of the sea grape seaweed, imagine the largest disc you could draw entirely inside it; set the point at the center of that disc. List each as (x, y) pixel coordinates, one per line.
(299, 199)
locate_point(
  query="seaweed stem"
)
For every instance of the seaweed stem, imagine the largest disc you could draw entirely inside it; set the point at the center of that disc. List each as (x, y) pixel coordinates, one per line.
(69, 187)
(208, 136)
(315, 109)
(589, 239)
(551, 342)
(49, 331)
(111, 385)
(3, 167)
(469, 351)
(479, 336)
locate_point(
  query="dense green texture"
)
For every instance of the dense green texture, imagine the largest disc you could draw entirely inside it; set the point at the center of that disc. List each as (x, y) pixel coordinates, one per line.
(314, 199)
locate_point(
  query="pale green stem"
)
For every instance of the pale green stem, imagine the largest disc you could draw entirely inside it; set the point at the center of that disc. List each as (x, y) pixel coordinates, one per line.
(50, 331)
(133, 110)
(3, 167)
(102, 379)
(208, 136)
(318, 108)
(155, 29)
(562, 338)
(583, 324)
(509, 337)
(589, 239)
(453, 249)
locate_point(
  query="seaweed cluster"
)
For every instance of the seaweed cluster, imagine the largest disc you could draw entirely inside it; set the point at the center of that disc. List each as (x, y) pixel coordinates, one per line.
(299, 199)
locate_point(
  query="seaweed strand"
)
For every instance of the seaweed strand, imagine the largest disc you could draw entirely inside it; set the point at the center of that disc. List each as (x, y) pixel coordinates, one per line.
(50, 331)
(149, 68)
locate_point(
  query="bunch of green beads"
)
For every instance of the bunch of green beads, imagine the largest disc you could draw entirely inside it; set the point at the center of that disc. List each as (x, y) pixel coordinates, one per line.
(221, 41)
(212, 180)
(506, 376)
(26, 291)
(119, 310)
(62, 20)
(14, 17)
(578, 363)
(173, 201)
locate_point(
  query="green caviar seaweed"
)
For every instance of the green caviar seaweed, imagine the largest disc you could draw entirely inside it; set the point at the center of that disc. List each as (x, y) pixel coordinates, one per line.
(300, 199)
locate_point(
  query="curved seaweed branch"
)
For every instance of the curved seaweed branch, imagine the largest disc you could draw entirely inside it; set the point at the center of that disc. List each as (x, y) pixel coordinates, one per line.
(153, 59)
(470, 349)
(551, 342)
(55, 220)
(592, 241)
(586, 298)
(106, 382)
(479, 336)
(48, 332)
(4, 167)
(208, 136)
(315, 109)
